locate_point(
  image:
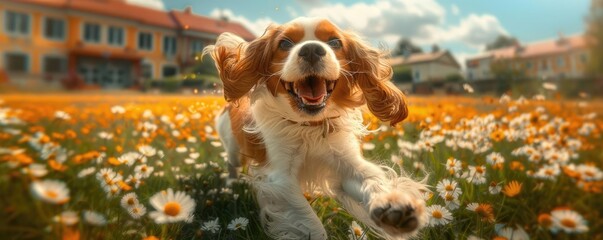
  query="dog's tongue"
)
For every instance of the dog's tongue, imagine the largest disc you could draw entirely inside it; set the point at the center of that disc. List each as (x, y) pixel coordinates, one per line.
(312, 89)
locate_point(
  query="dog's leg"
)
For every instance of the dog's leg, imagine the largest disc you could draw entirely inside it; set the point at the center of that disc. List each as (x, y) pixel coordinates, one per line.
(229, 142)
(391, 204)
(285, 212)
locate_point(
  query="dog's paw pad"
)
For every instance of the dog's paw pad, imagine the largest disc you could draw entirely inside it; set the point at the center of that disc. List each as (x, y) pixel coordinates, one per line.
(397, 214)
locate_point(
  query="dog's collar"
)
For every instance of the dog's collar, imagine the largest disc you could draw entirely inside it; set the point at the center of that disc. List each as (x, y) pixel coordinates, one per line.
(325, 123)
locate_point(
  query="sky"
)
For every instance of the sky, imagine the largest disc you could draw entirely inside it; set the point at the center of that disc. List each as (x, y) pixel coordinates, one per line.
(462, 26)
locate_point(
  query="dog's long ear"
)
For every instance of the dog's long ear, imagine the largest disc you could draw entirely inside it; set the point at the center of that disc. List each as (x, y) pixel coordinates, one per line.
(241, 64)
(372, 74)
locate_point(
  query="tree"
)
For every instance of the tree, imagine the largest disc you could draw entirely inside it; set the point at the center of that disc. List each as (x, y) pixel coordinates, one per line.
(595, 38)
(404, 45)
(435, 48)
(502, 41)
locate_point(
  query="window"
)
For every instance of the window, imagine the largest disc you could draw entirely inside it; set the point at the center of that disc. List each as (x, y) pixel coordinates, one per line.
(54, 64)
(17, 23)
(116, 36)
(169, 71)
(16, 62)
(196, 47)
(146, 70)
(54, 28)
(417, 76)
(583, 58)
(560, 62)
(145, 41)
(169, 45)
(92, 32)
(529, 65)
(544, 65)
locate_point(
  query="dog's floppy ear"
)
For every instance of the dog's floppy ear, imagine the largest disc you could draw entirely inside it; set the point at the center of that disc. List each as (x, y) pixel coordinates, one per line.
(241, 64)
(372, 74)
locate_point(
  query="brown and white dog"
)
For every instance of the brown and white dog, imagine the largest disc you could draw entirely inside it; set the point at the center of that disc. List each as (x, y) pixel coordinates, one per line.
(294, 114)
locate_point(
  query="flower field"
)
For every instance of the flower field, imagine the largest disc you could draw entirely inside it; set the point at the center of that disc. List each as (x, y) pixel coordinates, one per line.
(127, 166)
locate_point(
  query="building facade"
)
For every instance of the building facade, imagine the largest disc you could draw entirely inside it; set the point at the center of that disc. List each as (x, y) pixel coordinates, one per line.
(435, 66)
(565, 57)
(108, 43)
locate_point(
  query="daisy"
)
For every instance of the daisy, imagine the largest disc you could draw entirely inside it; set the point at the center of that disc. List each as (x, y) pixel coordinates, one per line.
(62, 115)
(548, 172)
(172, 207)
(147, 150)
(144, 170)
(51, 191)
(452, 202)
(238, 223)
(453, 166)
(118, 110)
(494, 188)
(512, 189)
(86, 171)
(211, 226)
(448, 186)
(513, 234)
(67, 218)
(137, 211)
(94, 218)
(476, 175)
(438, 215)
(134, 179)
(495, 158)
(568, 221)
(356, 232)
(35, 170)
(129, 200)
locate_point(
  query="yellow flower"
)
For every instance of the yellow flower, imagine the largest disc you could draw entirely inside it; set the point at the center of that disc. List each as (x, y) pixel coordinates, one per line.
(512, 189)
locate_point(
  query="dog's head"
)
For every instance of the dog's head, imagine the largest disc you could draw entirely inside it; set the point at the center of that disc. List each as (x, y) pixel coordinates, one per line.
(312, 65)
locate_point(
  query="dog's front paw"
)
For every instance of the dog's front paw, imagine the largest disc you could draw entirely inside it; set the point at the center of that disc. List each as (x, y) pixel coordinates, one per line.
(398, 214)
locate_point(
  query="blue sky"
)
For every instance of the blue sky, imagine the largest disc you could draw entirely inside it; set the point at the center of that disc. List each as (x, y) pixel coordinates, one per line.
(462, 26)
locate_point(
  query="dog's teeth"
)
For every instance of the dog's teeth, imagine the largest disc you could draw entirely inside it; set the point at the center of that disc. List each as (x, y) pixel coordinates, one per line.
(288, 86)
(330, 85)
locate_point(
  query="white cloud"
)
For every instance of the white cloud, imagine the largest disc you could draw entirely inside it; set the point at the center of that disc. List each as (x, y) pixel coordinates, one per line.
(385, 21)
(154, 4)
(476, 30)
(257, 26)
(292, 12)
(454, 9)
(385, 18)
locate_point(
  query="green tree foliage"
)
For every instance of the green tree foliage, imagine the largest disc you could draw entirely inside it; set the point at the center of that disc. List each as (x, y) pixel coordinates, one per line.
(595, 38)
(406, 45)
(402, 74)
(502, 41)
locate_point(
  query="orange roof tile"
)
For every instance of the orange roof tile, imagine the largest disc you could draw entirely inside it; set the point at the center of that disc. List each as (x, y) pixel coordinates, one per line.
(173, 19)
(114, 8)
(535, 49)
(210, 25)
(419, 58)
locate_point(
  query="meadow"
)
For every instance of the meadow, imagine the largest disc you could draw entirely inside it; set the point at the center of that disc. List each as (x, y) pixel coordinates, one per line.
(132, 166)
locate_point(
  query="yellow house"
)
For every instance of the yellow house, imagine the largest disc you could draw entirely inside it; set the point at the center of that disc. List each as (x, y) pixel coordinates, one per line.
(109, 43)
(565, 57)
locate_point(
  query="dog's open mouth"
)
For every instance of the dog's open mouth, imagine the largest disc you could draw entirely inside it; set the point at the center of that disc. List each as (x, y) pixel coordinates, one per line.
(310, 93)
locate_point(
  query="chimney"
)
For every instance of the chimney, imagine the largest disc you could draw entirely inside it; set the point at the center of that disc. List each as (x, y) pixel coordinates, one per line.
(188, 10)
(562, 40)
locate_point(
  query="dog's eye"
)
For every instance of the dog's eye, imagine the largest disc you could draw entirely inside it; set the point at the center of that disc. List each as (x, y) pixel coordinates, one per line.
(285, 44)
(335, 43)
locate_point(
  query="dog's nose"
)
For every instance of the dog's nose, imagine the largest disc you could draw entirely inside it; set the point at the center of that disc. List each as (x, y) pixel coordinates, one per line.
(312, 52)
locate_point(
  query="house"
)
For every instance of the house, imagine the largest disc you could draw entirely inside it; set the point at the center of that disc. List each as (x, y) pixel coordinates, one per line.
(109, 43)
(564, 57)
(424, 67)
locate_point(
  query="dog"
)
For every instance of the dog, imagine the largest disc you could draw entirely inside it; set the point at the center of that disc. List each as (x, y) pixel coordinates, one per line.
(294, 115)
